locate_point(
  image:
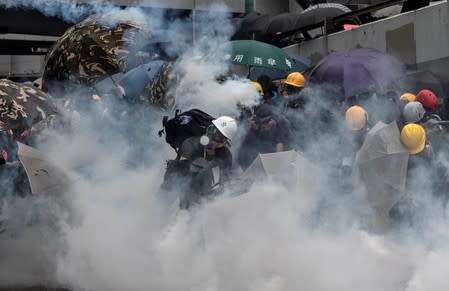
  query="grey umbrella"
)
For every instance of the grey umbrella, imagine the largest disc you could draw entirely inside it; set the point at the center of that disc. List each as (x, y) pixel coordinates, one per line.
(44, 177)
(381, 164)
(288, 167)
(319, 12)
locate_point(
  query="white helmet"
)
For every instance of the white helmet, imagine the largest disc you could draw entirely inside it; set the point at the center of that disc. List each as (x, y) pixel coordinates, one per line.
(226, 125)
(413, 112)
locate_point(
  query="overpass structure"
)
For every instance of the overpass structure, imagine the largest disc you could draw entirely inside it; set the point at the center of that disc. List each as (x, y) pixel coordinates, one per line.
(419, 38)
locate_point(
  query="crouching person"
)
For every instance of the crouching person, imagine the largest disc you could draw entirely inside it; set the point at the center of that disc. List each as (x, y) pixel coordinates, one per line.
(203, 163)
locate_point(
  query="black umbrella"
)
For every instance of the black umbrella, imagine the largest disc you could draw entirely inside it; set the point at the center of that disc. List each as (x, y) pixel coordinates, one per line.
(283, 22)
(251, 25)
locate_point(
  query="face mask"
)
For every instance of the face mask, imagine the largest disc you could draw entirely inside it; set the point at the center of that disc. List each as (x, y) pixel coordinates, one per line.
(215, 136)
(262, 124)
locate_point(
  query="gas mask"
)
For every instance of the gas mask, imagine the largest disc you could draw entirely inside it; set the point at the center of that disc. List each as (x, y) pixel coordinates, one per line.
(262, 123)
(213, 137)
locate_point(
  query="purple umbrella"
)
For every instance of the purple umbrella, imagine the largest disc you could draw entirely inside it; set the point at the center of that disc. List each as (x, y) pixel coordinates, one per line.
(357, 71)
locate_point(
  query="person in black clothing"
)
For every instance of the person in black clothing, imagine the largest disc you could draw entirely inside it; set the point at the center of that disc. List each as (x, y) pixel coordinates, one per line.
(198, 156)
(267, 132)
(293, 86)
(271, 95)
(426, 176)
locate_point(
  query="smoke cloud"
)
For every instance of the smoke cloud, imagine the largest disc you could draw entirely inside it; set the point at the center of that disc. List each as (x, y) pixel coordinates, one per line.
(68, 10)
(73, 11)
(121, 232)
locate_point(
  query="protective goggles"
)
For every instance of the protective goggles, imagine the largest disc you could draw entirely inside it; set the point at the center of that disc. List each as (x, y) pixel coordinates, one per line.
(215, 135)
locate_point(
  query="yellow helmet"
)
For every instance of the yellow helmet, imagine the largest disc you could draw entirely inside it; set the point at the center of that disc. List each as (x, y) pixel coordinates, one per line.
(356, 117)
(408, 97)
(258, 87)
(413, 136)
(295, 79)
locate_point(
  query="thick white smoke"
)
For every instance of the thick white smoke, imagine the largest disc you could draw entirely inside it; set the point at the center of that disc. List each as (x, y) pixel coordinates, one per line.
(202, 65)
(68, 10)
(125, 234)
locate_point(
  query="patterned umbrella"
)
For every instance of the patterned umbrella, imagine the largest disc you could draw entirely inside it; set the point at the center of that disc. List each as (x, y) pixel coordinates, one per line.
(22, 106)
(157, 90)
(93, 49)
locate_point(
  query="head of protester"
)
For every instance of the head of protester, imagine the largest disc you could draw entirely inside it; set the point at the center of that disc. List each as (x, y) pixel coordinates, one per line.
(413, 137)
(294, 83)
(408, 97)
(220, 132)
(356, 118)
(263, 119)
(428, 99)
(293, 86)
(270, 95)
(413, 112)
(258, 87)
(201, 144)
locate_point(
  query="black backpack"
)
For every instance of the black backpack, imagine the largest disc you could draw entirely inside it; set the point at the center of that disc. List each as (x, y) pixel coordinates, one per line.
(189, 123)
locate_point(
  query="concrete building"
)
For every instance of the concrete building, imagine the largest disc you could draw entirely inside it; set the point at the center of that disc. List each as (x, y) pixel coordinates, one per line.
(419, 38)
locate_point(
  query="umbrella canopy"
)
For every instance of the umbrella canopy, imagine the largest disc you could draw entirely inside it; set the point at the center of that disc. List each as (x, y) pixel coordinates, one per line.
(44, 177)
(157, 91)
(287, 167)
(302, 64)
(136, 79)
(319, 12)
(357, 71)
(253, 22)
(93, 49)
(254, 53)
(22, 106)
(282, 23)
(381, 164)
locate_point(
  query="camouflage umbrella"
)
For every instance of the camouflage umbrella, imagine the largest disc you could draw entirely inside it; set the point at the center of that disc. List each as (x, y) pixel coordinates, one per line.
(93, 49)
(22, 106)
(157, 90)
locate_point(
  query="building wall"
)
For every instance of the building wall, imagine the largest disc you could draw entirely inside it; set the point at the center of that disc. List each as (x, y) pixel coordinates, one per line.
(20, 65)
(416, 37)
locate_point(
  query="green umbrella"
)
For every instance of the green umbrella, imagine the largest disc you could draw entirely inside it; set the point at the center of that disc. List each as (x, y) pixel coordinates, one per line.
(254, 53)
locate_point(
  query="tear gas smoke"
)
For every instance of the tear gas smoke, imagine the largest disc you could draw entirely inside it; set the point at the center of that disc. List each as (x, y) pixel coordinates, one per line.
(200, 67)
(125, 234)
(69, 10)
